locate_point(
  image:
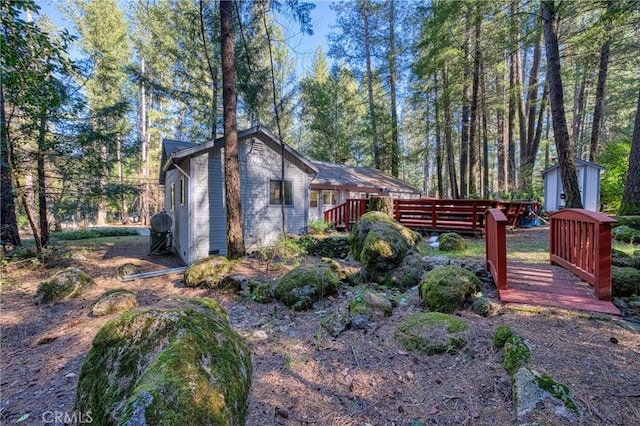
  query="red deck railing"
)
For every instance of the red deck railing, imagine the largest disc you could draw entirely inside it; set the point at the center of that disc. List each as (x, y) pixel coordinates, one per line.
(496, 247)
(347, 213)
(580, 241)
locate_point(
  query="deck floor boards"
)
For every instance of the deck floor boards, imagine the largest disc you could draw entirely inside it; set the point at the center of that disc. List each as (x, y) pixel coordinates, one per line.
(550, 285)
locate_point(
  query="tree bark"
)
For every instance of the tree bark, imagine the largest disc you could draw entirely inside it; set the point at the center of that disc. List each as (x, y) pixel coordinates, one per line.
(473, 128)
(502, 165)
(8, 222)
(464, 145)
(631, 198)
(382, 204)
(439, 167)
(448, 137)
(564, 146)
(235, 231)
(395, 147)
(599, 106)
(42, 183)
(377, 160)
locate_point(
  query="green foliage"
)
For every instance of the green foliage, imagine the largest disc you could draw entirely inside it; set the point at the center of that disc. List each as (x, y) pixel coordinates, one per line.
(516, 354)
(286, 250)
(500, 337)
(319, 226)
(614, 157)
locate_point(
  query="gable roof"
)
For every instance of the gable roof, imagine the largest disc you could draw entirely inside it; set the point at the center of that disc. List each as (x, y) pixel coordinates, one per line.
(577, 161)
(361, 179)
(179, 150)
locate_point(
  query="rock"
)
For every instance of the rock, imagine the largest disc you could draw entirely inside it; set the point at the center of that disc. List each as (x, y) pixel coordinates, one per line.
(625, 281)
(126, 269)
(208, 272)
(303, 286)
(114, 301)
(500, 337)
(331, 246)
(431, 333)
(345, 273)
(435, 261)
(516, 354)
(78, 257)
(623, 260)
(530, 389)
(234, 282)
(184, 365)
(626, 233)
(335, 322)
(447, 288)
(68, 283)
(256, 291)
(410, 273)
(366, 307)
(451, 242)
(481, 306)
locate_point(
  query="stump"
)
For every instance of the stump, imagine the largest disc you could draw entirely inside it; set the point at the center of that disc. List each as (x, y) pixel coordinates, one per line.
(381, 204)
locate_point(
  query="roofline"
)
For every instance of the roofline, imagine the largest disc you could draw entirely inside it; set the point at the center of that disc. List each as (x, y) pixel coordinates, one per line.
(576, 160)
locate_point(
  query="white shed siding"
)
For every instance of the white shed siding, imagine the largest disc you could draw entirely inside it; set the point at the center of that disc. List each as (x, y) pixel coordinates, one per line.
(181, 213)
(217, 211)
(588, 175)
(262, 221)
(199, 207)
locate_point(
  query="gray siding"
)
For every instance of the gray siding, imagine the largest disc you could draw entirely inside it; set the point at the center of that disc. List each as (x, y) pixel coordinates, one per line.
(180, 215)
(217, 211)
(262, 221)
(199, 207)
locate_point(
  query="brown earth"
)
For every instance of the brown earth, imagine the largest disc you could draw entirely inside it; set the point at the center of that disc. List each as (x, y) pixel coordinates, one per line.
(302, 376)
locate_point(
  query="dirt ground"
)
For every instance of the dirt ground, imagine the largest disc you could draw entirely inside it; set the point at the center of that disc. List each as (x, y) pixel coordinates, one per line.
(303, 376)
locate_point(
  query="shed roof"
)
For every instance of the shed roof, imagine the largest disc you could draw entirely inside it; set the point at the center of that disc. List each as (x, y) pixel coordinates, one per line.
(577, 161)
(355, 178)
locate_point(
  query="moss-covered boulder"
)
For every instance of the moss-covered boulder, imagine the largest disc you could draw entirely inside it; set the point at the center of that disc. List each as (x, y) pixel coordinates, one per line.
(208, 272)
(516, 354)
(68, 283)
(114, 301)
(500, 337)
(184, 365)
(331, 246)
(622, 259)
(301, 287)
(126, 269)
(451, 242)
(387, 228)
(625, 281)
(410, 273)
(626, 233)
(368, 306)
(335, 321)
(432, 333)
(447, 288)
(481, 306)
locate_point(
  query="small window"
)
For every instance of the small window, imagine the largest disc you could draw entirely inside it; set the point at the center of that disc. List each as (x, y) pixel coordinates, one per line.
(313, 199)
(275, 196)
(182, 194)
(329, 198)
(172, 197)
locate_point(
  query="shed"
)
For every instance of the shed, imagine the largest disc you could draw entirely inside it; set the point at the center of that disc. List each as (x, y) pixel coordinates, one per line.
(588, 181)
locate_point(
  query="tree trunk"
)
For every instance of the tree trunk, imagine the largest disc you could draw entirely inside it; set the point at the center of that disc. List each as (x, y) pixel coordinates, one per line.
(631, 198)
(502, 165)
(381, 204)
(511, 138)
(144, 142)
(42, 182)
(473, 128)
(235, 232)
(377, 160)
(599, 106)
(464, 145)
(578, 108)
(213, 74)
(8, 222)
(448, 137)
(395, 147)
(439, 167)
(564, 147)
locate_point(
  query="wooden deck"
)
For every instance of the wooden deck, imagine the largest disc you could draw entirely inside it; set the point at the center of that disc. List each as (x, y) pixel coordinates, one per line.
(550, 285)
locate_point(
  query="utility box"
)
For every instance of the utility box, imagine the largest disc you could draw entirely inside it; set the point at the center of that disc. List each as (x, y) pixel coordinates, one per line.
(588, 181)
(160, 233)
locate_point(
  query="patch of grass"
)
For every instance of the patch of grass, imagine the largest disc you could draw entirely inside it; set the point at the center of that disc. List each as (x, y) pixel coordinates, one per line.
(475, 249)
(92, 233)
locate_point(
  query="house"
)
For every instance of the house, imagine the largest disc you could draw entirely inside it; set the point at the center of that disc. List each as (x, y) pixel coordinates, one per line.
(588, 181)
(193, 179)
(335, 183)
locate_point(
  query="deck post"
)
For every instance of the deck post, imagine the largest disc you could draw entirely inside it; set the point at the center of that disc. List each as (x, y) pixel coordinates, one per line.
(496, 246)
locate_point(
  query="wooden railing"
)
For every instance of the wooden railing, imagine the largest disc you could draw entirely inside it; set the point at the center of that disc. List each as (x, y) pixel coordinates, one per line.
(443, 215)
(347, 213)
(496, 247)
(580, 241)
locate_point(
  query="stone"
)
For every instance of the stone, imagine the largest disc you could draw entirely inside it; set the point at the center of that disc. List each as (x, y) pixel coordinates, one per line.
(481, 306)
(368, 306)
(208, 272)
(432, 333)
(114, 301)
(335, 322)
(447, 288)
(516, 354)
(532, 390)
(126, 269)
(331, 246)
(234, 282)
(304, 285)
(181, 365)
(452, 242)
(68, 283)
(626, 233)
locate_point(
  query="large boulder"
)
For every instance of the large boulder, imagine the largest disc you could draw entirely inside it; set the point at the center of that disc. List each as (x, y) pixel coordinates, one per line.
(447, 288)
(208, 272)
(432, 333)
(625, 281)
(380, 244)
(626, 233)
(451, 242)
(331, 246)
(113, 302)
(301, 287)
(68, 283)
(367, 307)
(183, 365)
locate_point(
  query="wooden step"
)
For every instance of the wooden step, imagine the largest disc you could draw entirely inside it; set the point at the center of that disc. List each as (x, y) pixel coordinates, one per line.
(565, 301)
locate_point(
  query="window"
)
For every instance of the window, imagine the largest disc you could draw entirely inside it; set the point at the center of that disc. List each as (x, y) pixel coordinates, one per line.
(313, 199)
(329, 198)
(182, 191)
(172, 197)
(275, 195)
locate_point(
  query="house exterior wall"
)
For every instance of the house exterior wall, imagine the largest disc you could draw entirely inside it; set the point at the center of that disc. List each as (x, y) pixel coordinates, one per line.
(217, 209)
(199, 208)
(588, 182)
(179, 211)
(262, 221)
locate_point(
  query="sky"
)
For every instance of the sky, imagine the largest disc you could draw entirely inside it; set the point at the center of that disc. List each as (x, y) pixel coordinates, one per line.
(302, 46)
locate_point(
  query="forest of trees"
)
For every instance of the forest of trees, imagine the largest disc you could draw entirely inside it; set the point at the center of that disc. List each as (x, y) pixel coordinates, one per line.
(461, 98)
